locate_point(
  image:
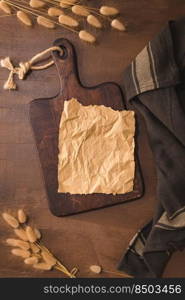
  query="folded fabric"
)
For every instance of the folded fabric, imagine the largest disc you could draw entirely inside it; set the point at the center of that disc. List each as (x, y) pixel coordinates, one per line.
(155, 86)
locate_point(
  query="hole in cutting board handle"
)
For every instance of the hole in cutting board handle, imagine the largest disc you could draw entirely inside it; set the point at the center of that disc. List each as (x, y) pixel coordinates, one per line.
(63, 54)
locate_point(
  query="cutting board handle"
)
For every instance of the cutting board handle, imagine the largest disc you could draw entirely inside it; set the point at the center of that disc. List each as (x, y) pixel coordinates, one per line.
(66, 65)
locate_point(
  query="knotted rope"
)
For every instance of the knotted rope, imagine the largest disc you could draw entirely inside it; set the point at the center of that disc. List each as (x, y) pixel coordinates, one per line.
(24, 67)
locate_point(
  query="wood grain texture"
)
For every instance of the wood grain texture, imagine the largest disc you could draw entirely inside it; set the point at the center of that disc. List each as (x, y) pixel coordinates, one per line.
(96, 237)
(45, 117)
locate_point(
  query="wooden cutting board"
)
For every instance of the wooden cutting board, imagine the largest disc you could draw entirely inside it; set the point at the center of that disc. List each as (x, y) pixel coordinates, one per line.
(45, 117)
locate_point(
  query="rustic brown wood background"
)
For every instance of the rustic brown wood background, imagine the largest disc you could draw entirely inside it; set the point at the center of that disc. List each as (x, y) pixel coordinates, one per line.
(97, 237)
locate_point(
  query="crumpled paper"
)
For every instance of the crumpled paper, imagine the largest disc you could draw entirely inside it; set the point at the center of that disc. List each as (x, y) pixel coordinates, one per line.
(96, 149)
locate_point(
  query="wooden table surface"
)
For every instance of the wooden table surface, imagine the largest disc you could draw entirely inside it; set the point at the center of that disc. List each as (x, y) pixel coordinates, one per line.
(97, 237)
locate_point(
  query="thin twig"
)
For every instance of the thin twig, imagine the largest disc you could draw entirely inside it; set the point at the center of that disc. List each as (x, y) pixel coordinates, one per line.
(7, 15)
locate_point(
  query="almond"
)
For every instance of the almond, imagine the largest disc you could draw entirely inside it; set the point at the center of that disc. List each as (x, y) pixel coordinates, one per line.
(18, 243)
(95, 269)
(5, 7)
(31, 260)
(108, 11)
(92, 20)
(67, 3)
(11, 242)
(21, 215)
(20, 252)
(67, 20)
(80, 10)
(118, 25)
(48, 258)
(37, 233)
(54, 12)
(23, 17)
(37, 3)
(42, 266)
(34, 248)
(86, 36)
(45, 22)
(21, 233)
(31, 234)
(10, 220)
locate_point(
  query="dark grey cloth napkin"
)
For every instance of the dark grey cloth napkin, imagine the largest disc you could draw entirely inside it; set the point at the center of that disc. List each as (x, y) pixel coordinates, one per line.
(155, 86)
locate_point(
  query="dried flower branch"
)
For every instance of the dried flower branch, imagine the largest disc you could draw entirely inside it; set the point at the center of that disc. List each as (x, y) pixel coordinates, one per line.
(46, 11)
(30, 247)
(35, 14)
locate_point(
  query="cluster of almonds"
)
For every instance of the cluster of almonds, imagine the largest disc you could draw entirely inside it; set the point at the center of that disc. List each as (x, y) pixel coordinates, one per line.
(28, 245)
(49, 17)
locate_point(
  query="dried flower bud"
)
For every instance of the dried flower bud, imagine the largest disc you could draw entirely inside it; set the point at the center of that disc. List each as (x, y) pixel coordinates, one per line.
(92, 20)
(95, 269)
(11, 242)
(24, 18)
(37, 3)
(5, 7)
(54, 12)
(21, 216)
(49, 259)
(45, 22)
(10, 220)
(42, 266)
(31, 234)
(18, 243)
(108, 11)
(23, 245)
(86, 36)
(21, 233)
(38, 234)
(20, 252)
(80, 10)
(31, 260)
(67, 20)
(118, 25)
(67, 3)
(34, 248)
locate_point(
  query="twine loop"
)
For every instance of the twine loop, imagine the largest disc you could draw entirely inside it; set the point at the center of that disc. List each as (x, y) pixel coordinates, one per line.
(24, 67)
